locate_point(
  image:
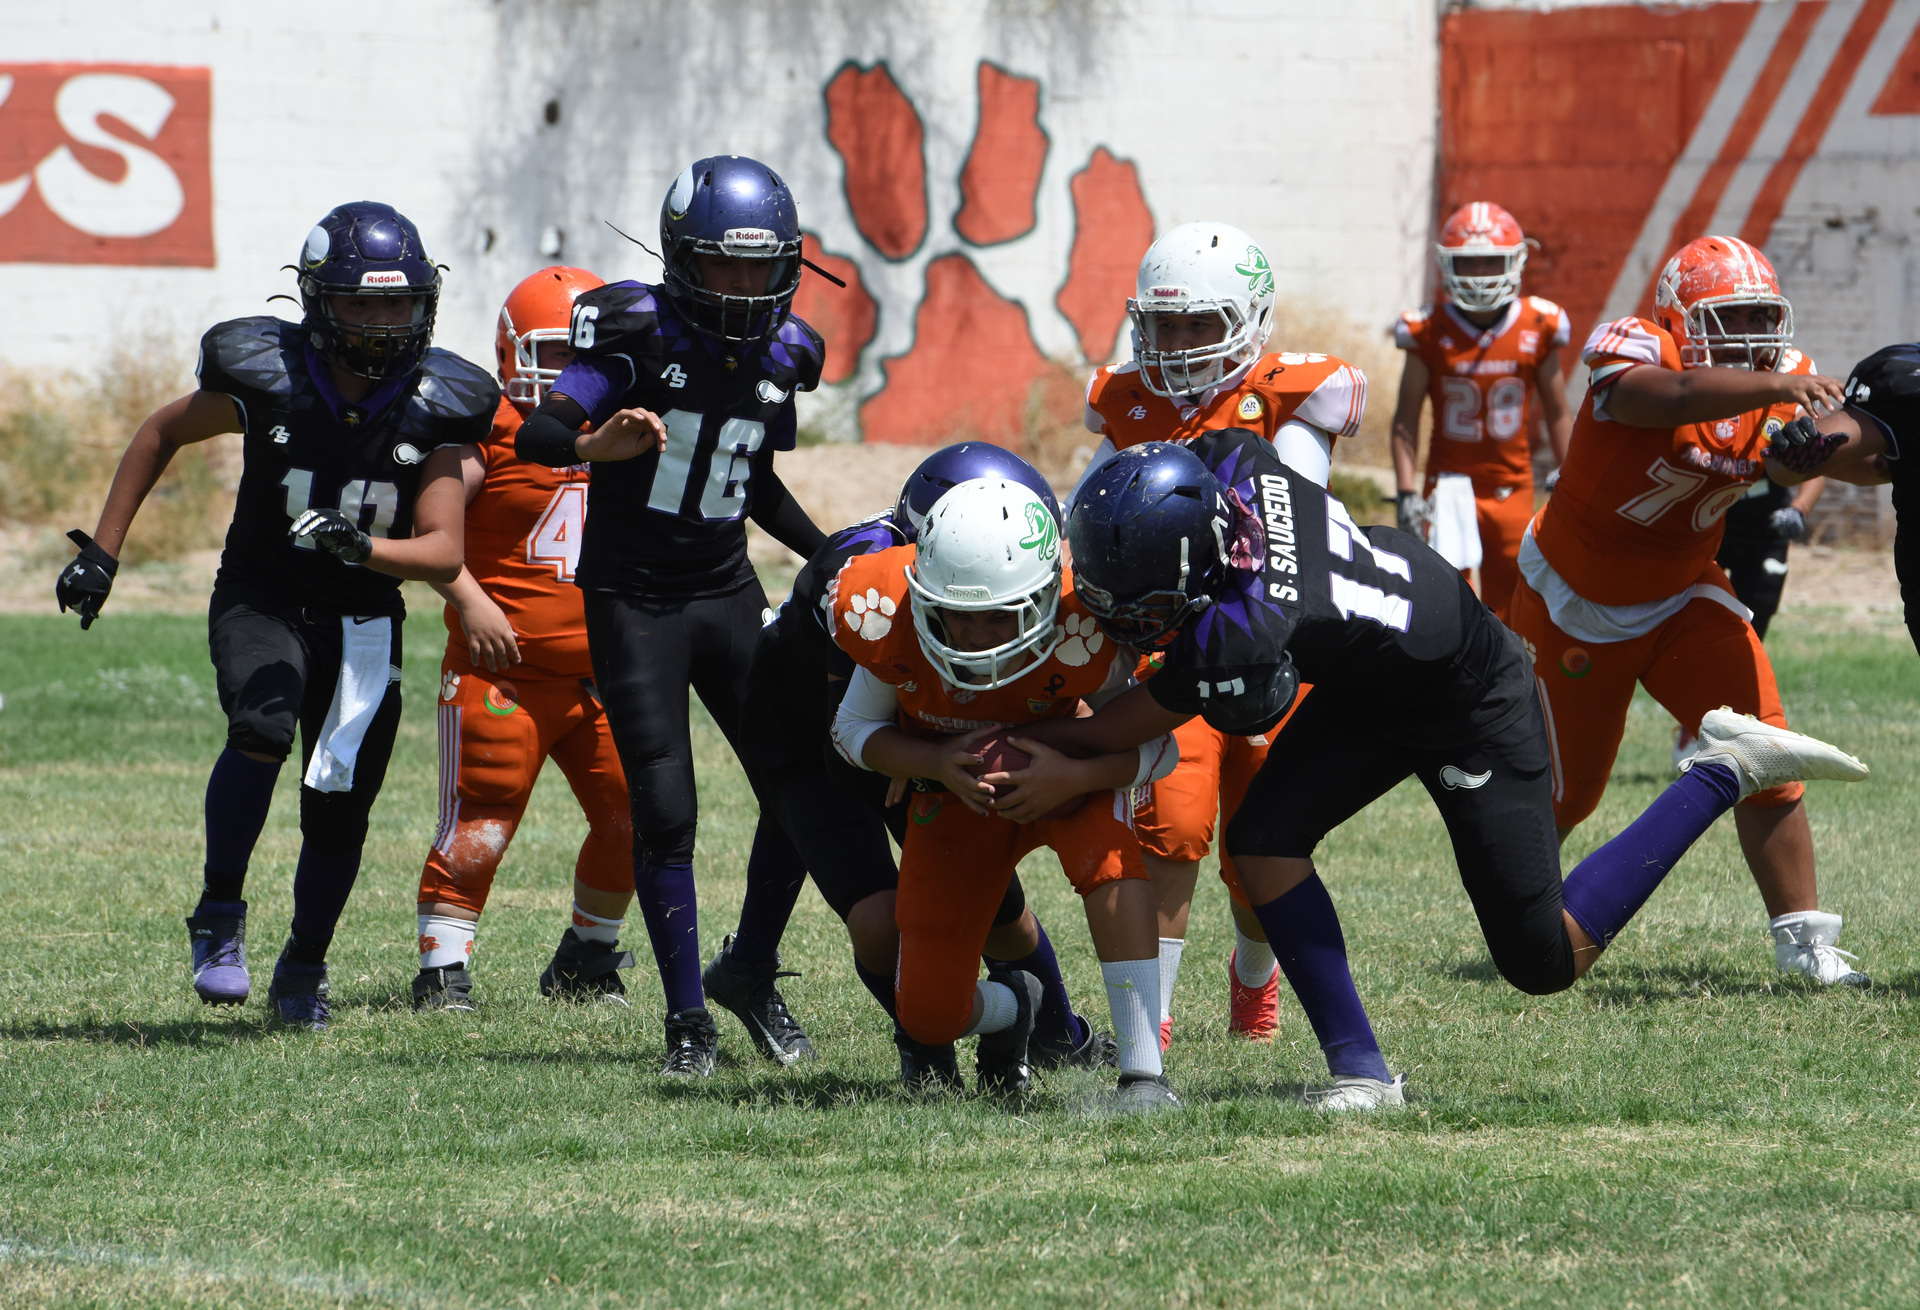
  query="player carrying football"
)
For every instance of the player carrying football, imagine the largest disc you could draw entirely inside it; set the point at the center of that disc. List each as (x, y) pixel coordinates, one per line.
(688, 387)
(1481, 356)
(1250, 578)
(975, 629)
(353, 429)
(1619, 584)
(1202, 312)
(516, 684)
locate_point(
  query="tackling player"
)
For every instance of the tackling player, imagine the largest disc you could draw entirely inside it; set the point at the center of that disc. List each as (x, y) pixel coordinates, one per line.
(1481, 356)
(688, 386)
(1250, 579)
(1619, 584)
(975, 629)
(516, 684)
(353, 428)
(1202, 313)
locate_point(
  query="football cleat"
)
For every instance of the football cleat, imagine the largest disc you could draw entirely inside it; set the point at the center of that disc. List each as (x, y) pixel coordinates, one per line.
(693, 1044)
(218, 933)
(585, 971)
(1253, 1012)
(448, 988)
(1351, 1092)
(1763, 756)
(1001, 1066)
(299, 994)
(1803, 943)
(750, 996)
(1096, 1050)
(926, 1070)
(1144, 1093)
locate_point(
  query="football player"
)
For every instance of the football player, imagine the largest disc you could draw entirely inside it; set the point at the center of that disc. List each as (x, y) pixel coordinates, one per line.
(1760, 528)
(1482, 356)
(839, 817)
(688, 389)
(354, 427)
(1619, 584)
(1250, 579)
(516, 684)
(1202, 313)
(975, 629)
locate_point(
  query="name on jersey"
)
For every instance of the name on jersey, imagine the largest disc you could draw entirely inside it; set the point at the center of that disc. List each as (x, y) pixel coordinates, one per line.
(946, 724)
(1726, 465)
(1276, 509)
(1483, 367)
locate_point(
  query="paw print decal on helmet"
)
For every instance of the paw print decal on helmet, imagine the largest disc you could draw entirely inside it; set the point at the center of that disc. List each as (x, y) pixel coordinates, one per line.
(870, 614)
(1080, 640)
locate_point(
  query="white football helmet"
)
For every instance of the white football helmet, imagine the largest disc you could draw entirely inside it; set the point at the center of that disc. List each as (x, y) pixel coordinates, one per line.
(989, 544)
(1202, 268)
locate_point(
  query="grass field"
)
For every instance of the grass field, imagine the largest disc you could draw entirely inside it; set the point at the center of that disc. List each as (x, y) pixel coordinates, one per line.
(1682, 1128)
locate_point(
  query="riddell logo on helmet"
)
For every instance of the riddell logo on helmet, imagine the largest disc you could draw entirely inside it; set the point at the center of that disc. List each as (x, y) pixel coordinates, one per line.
(748, 238)
(1168, 293)
(392, 277)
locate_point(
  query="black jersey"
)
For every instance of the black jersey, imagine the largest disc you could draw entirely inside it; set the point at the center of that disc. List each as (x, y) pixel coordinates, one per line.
(1372, 610)
(1750, 521)
(673, 522)
(799, 671)
(306, 448)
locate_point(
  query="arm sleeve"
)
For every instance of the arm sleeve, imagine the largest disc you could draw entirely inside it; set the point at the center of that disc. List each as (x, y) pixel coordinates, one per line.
(549, 434)
(596, 383)
(1306, 448)
(868, 706)
(783, 518)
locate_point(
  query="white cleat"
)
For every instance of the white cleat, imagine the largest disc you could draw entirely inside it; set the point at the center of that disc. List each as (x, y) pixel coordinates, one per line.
(1803, 943)
(1350, 1092)
(1763, 756)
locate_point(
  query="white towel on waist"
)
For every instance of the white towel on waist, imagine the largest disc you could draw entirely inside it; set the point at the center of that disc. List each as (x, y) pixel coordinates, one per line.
(366, 666)
(1454, 525)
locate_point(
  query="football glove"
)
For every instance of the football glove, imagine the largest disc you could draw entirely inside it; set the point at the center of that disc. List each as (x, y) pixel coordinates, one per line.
(1801, 446)
(1789, 523)
(1411, 512)
(334, 533)
(85, 584)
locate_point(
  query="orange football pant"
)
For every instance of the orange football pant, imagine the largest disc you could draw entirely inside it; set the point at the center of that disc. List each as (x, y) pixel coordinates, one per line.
(1502, 523)
(495, 734)
(954, 870)
(1703, 657)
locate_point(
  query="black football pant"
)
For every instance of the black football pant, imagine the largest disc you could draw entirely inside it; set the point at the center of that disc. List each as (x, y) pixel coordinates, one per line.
(1494, 790)
(1757, 567)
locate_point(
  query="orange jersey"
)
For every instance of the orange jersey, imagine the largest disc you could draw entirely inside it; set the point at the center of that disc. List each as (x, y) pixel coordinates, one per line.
(1329, 393)
(1637, 513)
(523, 543)
(873, 623)
(1481, 385)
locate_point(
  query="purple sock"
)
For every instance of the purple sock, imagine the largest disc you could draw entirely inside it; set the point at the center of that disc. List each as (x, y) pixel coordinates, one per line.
(1305, 933)
(672, 911)
(1053, 1023)
(775, 875)
(238, 793)
(1608, 887)
(880, 985)
(322, 881)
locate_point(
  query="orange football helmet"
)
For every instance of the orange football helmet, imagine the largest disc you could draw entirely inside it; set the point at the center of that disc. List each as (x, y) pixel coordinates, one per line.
(539, 309)
(1477, 231)
(1706, 277)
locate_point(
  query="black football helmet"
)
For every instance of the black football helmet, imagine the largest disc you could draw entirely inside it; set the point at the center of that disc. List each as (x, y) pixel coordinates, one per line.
(368, 249)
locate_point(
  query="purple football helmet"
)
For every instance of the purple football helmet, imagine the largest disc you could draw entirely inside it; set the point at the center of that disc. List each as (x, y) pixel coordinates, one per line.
(734, 206)
(368, 249)
(949, 466)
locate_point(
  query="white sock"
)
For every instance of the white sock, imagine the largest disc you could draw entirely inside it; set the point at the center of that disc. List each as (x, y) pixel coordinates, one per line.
(1253, 962)
(1131, 985)
(592, 928)
(1170, 949)
(998, 1008)
(445, 942)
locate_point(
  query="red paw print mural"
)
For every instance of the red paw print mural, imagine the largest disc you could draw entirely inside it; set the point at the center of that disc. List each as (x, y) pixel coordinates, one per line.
(973, 366)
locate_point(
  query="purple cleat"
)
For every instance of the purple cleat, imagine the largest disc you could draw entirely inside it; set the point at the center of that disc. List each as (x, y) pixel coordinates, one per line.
(299, 992)
(218, 930)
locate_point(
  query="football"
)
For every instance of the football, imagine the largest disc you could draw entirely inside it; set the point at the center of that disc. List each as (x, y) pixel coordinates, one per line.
(998, 754)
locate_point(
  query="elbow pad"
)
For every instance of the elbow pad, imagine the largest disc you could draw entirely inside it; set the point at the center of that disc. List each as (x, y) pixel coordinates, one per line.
(546, 439)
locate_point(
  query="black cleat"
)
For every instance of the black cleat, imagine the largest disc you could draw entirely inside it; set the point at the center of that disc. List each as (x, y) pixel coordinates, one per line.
(1000, 1061)
(750, 996)
(447, 988)
(927, 1070)
(585, 971)
(1144, 1093)
(1097, 1051)
(693, 1044)
(299, 994)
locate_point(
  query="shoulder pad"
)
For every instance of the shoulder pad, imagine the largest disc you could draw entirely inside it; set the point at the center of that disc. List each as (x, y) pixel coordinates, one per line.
(797, 347)
(1543, 307)
(454, 387)
(252, 353)
(873, 533)
(869, 599)
(607, 320)
(1632, 339)
(1407, 328)
(1336, 394)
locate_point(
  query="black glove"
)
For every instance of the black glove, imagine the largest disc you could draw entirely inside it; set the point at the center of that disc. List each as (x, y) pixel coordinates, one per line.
(334, 533)
(1789, 523)
(85, 584)
(1410, 512)
(1803, 447)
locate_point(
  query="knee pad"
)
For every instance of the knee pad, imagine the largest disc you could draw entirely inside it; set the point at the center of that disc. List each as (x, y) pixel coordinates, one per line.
(261, 730)
(1013, 905)
(334, 821)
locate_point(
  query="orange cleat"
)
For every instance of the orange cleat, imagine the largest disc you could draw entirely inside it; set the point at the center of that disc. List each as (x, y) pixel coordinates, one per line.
(1255, 1011)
